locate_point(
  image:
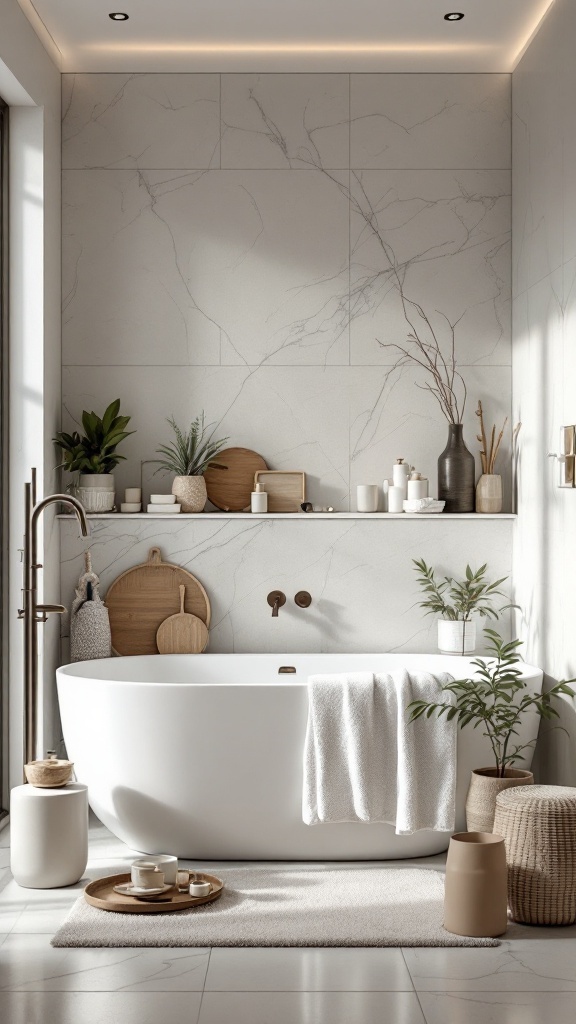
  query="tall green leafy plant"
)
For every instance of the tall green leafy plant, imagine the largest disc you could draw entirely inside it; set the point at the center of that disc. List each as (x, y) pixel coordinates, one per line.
(494, 700)
(95, 450)
(457, 600)
(191, 451)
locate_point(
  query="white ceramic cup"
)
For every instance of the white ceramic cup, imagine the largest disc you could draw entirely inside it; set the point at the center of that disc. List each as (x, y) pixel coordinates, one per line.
(133, 495)
(367, 497)
(167, 863)
(146, 874)
(200, 888)
(395, 499)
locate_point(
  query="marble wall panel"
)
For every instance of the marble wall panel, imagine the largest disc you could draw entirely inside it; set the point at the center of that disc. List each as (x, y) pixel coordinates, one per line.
(149, 121)
(359, 574)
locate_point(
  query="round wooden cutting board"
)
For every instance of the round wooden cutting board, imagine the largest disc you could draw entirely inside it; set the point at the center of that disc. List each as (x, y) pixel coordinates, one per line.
(182, 633)
(142, 598)
(229, 489)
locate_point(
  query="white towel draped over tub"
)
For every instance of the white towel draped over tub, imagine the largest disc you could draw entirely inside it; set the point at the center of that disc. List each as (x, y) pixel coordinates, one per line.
(364, 761)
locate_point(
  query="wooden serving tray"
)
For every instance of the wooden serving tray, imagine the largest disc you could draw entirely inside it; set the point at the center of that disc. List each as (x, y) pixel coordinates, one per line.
(286, 490)
(100, 893)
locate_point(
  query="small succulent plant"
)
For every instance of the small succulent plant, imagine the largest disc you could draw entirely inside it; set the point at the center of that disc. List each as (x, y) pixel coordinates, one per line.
(192, 451)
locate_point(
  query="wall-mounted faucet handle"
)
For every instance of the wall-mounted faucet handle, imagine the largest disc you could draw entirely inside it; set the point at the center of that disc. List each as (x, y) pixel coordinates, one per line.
(276, 599)
(303, 599)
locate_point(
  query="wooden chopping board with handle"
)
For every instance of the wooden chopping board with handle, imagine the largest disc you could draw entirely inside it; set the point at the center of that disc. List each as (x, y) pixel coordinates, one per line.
(142, 598)
(182, 633)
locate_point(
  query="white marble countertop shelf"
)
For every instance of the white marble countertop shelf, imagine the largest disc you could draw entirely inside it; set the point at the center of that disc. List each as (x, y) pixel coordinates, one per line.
(294, 516)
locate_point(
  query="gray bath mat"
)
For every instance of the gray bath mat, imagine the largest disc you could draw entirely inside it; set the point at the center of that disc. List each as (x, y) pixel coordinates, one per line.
(312, 905)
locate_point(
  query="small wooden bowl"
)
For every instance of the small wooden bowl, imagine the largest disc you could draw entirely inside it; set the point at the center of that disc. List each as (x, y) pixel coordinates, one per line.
(48, 774)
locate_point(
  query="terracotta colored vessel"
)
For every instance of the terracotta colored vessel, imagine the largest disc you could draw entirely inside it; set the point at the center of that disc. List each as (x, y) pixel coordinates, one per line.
(475, 901)
(484, 788)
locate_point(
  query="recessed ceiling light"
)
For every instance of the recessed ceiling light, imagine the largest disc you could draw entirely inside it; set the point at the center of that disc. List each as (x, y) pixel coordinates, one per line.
(454, 16)
(118, 16)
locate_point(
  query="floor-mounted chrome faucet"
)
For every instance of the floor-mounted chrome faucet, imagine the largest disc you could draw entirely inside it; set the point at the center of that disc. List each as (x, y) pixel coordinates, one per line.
(32, 613)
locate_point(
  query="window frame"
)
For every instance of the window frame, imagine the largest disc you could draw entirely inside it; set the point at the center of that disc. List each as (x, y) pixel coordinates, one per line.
(4, 377)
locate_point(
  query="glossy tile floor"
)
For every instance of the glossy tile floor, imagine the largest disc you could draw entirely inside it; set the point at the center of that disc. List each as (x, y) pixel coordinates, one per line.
(529, 979)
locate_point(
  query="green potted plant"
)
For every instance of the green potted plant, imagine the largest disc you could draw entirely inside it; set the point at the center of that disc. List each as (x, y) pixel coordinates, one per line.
(93, 455)
(188, 456)
(455, 601)
(495, 700)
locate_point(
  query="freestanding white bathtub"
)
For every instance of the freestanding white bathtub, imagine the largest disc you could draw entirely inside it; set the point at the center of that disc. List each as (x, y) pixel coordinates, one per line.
(201, 755)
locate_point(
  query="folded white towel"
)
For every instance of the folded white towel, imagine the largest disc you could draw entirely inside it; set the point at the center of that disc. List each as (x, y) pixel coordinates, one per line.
(364, 761)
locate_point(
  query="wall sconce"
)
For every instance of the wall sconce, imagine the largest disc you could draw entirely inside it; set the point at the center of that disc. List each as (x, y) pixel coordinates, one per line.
(567, 457)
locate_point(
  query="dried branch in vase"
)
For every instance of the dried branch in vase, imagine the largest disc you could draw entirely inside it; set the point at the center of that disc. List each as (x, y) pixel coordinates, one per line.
(488, 454)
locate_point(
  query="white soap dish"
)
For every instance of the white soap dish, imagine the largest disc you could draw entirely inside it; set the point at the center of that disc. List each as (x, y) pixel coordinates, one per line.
(164, 510)
(163, 499)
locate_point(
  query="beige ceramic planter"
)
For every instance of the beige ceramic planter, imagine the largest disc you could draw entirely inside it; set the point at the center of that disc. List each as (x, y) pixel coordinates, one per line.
(190, 492)
(475, 901)
(96, 491)
(484, 788)
(489, 494)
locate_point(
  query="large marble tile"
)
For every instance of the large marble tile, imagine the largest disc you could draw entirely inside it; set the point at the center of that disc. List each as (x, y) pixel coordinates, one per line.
(99, 1007)
(30, 964)
(296, 417)
(360, 575)
(285, 120)
(222, 266)
(307, 970)
(393, 416)
(431, 241)
(519, 1007)
(516, 966)
(430, 120)
(145, 121)
(309, 1008)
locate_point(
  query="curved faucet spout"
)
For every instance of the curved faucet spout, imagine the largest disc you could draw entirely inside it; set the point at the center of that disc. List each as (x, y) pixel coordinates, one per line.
(64, 499)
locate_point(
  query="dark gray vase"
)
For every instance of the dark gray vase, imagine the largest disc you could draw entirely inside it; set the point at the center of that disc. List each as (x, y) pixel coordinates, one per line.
(456, 473)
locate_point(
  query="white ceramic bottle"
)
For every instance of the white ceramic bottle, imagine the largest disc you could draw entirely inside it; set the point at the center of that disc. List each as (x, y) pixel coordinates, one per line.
(259, 500)
(400, 474)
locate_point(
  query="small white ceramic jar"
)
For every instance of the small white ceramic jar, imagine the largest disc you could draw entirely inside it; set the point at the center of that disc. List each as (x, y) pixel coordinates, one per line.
(367, 497)
(395, 499)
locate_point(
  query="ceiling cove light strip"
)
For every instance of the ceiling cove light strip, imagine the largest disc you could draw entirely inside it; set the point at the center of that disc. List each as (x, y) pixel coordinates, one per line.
(517, 54)
(288, 47)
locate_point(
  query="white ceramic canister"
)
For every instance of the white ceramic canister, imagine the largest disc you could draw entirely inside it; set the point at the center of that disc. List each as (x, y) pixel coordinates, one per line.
(132, 495)
(367, 497)
(395, 499)
(400, 474)
(259, 500)
(417, 487)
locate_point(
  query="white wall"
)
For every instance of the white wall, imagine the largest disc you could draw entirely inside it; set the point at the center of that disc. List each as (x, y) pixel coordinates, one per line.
(218, 256)
(30, 84)
(544, 360)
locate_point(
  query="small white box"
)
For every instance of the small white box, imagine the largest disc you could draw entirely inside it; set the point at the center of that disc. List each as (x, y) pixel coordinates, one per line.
(164, 510)
(163, 499)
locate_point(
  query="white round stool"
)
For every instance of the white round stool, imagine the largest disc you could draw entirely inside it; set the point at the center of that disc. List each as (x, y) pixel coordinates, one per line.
(48, 835)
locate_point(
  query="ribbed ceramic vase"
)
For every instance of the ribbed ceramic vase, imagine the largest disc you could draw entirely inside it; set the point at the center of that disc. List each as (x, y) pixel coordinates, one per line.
(456, 636)
(96, 491)
(190, 492)
(475, 899)
(484, 788)
(489, 493)
(456, 473)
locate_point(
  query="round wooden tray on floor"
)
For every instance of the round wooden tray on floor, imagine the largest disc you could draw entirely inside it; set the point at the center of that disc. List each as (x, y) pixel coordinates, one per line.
(100, 893)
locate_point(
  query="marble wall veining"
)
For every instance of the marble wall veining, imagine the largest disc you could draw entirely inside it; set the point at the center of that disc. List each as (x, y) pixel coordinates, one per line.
(232, 243)
(544, 361)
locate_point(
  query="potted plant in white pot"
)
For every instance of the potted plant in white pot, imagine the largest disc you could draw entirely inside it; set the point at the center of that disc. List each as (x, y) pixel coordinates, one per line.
(456, 601)
(188, 456)
(494, 700)
(93, 455)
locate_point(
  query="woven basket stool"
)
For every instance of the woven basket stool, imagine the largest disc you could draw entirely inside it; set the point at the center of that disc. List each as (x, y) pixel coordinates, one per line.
(539, 828)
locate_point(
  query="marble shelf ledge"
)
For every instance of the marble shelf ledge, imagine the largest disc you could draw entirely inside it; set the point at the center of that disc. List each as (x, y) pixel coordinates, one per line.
(293, 515)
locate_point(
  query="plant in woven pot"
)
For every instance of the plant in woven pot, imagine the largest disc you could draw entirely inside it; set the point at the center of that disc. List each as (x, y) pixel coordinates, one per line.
(93, 455)
(456, 601)
(188, 457)
(495, 700)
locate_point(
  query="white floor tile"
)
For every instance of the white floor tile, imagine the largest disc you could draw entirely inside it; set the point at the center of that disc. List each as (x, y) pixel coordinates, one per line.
(498, 1007)
(307, 970)
(523, 965)
(30, 964)
(310, 1008)
(99, 1008)
(42, 919)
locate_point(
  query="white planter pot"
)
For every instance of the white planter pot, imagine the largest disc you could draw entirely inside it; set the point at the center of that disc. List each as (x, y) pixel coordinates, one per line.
(456, 637)
(96, 491)
(190, 493)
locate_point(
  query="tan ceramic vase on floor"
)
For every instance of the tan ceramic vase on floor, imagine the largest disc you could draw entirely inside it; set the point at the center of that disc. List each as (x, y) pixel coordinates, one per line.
(484, 788)
(489, 493)
(476, 897)
(190, 492)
